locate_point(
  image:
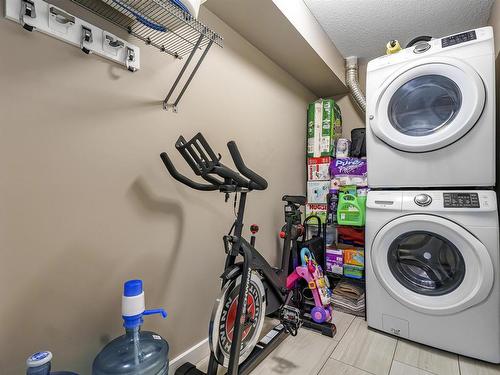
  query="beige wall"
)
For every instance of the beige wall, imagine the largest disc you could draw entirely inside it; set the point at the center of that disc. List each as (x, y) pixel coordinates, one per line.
(494, 21)
(85, 201)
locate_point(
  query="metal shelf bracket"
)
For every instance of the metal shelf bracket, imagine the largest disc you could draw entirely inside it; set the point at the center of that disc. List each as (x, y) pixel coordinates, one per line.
(168, 105)
(162, 25)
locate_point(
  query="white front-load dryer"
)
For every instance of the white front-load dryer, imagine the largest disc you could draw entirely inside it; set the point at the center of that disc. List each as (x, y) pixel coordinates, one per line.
(432, 269)
(431, 114)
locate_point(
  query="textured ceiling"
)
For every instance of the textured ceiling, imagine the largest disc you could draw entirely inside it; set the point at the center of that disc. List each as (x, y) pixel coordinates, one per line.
(363, 27)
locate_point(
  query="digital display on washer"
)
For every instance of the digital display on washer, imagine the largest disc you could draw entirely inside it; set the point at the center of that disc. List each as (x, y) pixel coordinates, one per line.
(461, 200)
(458, 38)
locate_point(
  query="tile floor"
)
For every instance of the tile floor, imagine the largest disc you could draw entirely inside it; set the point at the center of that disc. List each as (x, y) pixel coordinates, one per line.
(357, 350)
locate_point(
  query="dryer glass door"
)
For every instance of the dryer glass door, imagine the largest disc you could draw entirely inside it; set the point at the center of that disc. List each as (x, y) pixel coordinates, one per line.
(427, 105)
(431, 264)
(424, 105)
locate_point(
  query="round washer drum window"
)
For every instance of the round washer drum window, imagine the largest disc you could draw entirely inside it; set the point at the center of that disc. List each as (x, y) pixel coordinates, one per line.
(426, 263)
(424, 104)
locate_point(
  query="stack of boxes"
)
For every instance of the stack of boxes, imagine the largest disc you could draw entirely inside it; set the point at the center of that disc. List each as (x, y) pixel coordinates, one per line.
(335, 179)
(324, 128)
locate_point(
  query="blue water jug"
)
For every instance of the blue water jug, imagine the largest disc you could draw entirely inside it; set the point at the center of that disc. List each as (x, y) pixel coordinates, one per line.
(137, 352)
(39, 364)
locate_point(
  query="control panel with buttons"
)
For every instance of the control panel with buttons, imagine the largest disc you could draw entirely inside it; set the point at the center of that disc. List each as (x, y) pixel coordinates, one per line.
(458, 38)
(461, 200)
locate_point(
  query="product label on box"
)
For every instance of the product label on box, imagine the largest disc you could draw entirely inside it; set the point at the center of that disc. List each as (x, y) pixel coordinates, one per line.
(354, 257)
(314, 121)
(317, 191)
(334, 261)
(318, 168)
(324, 127)
(318, 209)
(348, 171)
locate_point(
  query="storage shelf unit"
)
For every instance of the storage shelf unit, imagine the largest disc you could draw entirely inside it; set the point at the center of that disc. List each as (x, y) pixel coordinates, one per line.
(161, 24)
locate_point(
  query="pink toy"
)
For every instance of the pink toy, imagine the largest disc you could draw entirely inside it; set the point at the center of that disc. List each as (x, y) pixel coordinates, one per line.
(311, 272)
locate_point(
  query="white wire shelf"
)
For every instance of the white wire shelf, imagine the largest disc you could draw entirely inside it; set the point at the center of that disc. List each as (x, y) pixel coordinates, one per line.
(159, 23)
(164, 25)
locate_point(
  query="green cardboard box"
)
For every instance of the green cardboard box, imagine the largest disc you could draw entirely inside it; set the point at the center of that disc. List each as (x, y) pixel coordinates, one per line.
(314, 125)
(324, 127)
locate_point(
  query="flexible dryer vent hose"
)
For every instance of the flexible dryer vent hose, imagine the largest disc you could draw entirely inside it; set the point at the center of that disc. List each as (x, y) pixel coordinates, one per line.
(351, 64)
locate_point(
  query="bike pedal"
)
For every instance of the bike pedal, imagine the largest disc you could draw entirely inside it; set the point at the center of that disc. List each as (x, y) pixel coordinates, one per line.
(290, 316)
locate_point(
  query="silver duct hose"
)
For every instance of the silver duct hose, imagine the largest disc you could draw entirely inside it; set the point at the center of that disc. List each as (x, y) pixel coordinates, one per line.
(351, 77)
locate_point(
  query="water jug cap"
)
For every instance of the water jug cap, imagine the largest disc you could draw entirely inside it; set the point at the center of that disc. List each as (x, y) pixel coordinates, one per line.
(132, 288)
(133, 305)
(39, 359)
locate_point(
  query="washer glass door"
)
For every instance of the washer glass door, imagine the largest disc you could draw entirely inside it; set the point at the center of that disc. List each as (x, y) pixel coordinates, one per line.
(427, 105)
(431, 264)
(426, 263)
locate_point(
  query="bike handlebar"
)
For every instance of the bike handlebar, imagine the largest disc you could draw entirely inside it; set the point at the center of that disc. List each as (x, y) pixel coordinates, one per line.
(181, 178)
(256, 182)
(206, 164)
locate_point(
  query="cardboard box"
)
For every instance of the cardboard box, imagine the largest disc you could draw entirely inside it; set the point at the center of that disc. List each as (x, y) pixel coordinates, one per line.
(354, 257)
(334, 261)
(324, 127)
(354, 272)
(314, 123)
(318, 169)
(331, 127)
(317, 191)
(318, 209)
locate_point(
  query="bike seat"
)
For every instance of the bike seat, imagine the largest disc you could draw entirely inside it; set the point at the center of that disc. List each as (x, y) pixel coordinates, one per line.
(296, 199)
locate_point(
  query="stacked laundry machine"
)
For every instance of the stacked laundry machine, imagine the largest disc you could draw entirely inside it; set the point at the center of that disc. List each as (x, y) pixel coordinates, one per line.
(432, 233)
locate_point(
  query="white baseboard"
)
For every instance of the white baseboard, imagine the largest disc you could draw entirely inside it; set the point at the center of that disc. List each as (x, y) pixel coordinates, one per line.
(195, 354)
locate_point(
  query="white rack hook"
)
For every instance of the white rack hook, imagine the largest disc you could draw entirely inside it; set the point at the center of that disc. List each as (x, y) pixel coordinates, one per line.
(62, 17)
(114, 42)
(86, 38)
(27, 10)
(130, 59)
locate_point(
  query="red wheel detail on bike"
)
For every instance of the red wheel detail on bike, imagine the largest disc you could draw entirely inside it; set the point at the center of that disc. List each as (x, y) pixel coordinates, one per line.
(231, 317)
(224, 318)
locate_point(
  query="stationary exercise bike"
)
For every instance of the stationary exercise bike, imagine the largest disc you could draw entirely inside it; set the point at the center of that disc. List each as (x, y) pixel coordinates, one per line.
(238, 313)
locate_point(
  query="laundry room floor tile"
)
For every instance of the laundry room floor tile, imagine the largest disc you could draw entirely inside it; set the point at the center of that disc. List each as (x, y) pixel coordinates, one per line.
(427, 358)
(333, 367)
(469, 366)
(399, 368)
(304, 354)
(342, 321)
(366, 349)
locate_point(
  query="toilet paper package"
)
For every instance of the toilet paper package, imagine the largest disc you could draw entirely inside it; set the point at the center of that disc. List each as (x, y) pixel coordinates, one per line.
(348, 171)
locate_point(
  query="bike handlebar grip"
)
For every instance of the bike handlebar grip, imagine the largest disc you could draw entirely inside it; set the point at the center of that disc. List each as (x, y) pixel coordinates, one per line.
(256, 182)
(179, 177)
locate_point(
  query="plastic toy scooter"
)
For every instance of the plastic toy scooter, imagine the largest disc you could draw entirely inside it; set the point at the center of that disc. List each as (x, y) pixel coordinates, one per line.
(311, 272)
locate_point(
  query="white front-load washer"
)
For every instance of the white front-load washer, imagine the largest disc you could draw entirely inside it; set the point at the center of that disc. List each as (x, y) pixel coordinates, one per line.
(431, 114)
(432, 269)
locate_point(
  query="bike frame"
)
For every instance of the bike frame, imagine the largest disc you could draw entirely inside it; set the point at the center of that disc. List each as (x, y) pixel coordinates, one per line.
(206, 164)
(252, 260)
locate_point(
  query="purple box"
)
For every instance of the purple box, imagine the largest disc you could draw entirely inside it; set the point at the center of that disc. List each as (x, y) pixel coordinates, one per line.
(334, 260)
(348, 171)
